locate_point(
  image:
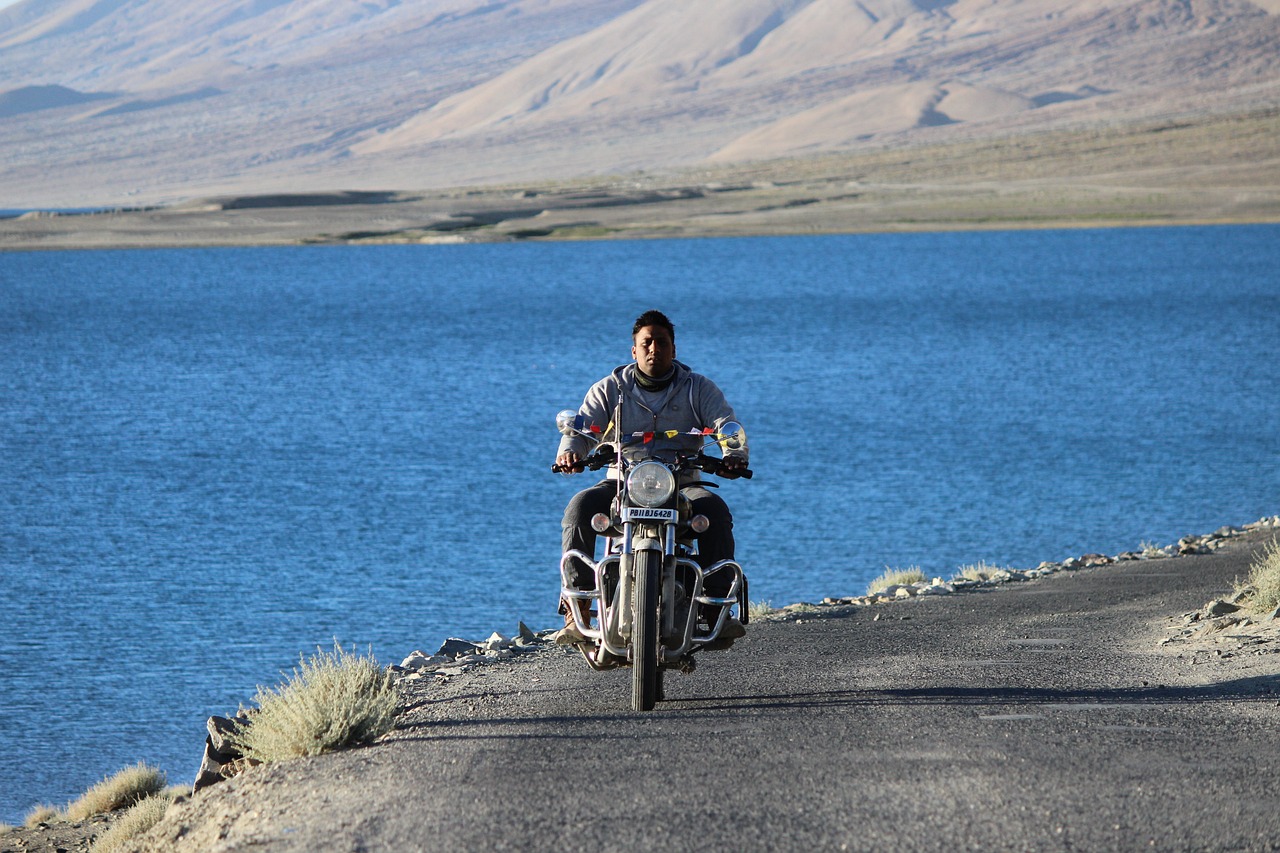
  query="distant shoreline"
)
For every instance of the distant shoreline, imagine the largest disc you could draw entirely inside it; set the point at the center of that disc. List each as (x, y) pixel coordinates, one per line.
(1143, 174)
(499, 216)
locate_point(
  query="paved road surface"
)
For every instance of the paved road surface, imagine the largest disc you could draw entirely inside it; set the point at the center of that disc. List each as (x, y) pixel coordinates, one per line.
(1038, 716)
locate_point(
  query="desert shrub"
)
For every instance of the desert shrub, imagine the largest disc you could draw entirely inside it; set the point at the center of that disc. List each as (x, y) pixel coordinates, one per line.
(1151, 550)
(42, 813)
(894, 577)
(980, 571)
(336, 699)
(1264, 578)
(759, 609)
(117, 792)
(142, 816)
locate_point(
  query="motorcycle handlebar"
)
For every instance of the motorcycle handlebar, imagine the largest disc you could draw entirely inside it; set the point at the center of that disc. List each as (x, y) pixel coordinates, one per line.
(710, 464)
(595, 462)
(713, 465)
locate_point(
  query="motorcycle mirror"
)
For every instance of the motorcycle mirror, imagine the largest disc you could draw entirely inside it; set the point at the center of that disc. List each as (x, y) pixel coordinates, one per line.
(564, 422)
(571, 423)
(732, 437)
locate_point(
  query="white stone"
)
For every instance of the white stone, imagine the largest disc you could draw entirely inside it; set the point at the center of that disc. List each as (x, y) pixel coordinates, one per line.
(496, 641)
(421, 660)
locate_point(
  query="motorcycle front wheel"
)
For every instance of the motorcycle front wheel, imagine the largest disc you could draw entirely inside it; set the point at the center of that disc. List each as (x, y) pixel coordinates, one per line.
(645, 636)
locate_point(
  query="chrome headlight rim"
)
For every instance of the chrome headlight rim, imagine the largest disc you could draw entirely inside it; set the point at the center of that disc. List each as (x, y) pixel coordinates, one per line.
(651, 484)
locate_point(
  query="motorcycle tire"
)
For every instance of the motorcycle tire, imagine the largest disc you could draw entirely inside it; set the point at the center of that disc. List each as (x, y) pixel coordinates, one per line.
(645, 636)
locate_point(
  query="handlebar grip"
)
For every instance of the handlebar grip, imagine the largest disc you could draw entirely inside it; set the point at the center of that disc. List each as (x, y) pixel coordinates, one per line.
(595, 462)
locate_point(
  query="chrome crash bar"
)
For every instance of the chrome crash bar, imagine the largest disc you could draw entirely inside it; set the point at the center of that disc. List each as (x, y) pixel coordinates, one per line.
(614, 619)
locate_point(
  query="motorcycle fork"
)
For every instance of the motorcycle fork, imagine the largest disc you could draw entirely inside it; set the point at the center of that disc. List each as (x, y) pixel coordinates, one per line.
(667, 537)
(668, 601)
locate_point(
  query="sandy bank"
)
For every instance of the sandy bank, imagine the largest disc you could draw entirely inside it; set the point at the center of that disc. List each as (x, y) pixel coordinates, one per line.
(1221, 170)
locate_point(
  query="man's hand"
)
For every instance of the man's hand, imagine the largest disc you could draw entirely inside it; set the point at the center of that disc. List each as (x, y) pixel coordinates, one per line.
(731, 467)
(569, 462)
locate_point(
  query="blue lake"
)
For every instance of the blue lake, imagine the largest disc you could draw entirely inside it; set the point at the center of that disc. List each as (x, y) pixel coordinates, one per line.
(212, 461)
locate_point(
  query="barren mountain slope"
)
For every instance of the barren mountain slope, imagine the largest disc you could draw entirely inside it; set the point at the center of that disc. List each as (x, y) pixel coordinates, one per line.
(861, 68)
(162, 99)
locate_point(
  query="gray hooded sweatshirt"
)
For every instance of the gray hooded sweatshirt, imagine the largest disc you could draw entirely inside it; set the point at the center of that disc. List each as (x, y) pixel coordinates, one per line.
(690, 402)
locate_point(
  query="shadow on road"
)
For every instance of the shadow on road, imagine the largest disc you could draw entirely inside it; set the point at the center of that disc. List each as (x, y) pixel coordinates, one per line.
(1262, 689)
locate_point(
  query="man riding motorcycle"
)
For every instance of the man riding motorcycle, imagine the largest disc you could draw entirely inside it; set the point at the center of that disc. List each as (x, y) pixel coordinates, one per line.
(662, 401)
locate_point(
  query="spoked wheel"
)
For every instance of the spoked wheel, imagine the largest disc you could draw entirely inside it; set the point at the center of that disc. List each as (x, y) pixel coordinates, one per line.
(645, 636)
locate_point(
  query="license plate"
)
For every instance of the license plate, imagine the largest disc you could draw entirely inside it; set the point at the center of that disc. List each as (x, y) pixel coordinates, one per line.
(640, 513)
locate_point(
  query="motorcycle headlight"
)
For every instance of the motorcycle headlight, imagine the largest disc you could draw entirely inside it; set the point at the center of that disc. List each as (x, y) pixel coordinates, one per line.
(651, 484)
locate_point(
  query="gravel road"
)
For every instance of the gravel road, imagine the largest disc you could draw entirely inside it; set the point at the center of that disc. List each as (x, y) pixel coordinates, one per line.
(1043, 715)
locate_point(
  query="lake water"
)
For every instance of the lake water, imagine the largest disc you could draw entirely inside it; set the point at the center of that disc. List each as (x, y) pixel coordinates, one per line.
(213, 461)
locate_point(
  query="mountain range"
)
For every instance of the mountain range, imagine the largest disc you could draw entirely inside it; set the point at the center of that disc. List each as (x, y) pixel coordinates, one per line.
(117, 102)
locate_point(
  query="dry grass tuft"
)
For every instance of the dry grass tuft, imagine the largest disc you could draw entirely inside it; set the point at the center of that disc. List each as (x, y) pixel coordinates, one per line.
(895, 577)
(117, 792)
(42, 813)
(1151, 550)
(337, 699)
(759, 609)
(1264, 581)
(142, 816)
(979, 572)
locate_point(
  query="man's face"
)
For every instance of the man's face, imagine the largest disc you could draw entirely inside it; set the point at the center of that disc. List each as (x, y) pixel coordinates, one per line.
(654, 350)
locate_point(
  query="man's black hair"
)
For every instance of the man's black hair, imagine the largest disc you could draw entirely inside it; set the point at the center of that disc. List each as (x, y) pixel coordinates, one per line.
(653, 318)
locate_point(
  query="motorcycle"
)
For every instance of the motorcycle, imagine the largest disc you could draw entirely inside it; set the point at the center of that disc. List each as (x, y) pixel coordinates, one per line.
(652, 609)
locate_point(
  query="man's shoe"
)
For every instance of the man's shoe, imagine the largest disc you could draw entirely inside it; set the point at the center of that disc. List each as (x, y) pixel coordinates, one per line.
(732, 630)
(570, 634)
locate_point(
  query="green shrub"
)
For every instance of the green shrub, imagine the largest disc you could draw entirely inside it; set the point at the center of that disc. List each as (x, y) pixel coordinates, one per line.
(891, 577)
(117, 792)
(142, 816)
(337, 699)
(1264, 578)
